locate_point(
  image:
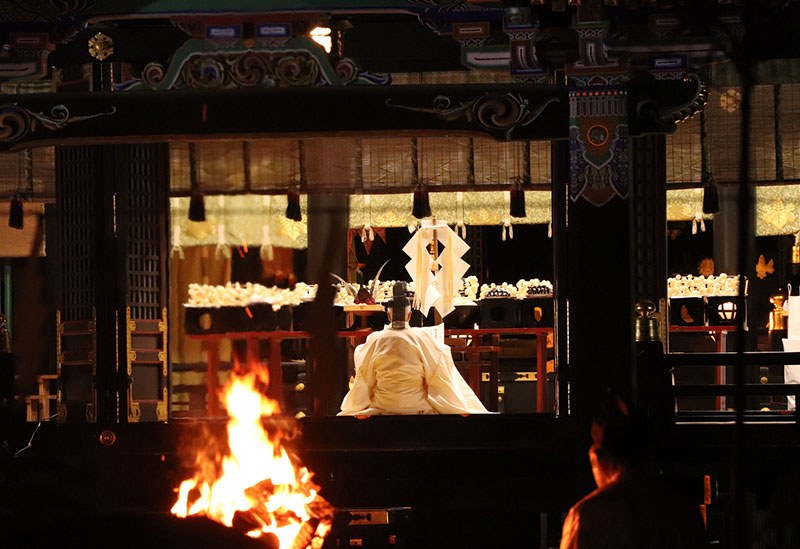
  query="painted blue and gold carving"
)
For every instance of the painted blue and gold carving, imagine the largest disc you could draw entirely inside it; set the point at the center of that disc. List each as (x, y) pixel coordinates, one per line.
(599, 145)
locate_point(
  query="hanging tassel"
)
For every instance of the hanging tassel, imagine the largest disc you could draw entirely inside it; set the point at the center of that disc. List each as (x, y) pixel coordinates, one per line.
(698, 219)
(366, 230)
(223, 249)
(176, 242)
(16, 216)
(197, 205)
(367, 233)
(267, 252)
(517, 200)
(422, 205)
(293, 205)
(507, 230)
(550, 230)
(177, 246)
(710, 195)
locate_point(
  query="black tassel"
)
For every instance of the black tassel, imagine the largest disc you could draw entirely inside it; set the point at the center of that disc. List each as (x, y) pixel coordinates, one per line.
(16, 216)
(517, 200)
(197, 205)
(422, 205)
(293, 205)
(710, 195)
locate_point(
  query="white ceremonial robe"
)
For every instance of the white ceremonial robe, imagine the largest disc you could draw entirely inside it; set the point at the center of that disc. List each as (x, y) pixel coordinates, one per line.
(407, 372)
(791, 372)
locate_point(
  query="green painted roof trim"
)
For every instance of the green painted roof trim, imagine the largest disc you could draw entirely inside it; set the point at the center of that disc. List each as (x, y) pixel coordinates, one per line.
(109, 8)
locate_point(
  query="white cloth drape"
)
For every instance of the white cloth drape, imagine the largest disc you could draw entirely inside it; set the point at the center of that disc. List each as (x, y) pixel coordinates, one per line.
(407, 371)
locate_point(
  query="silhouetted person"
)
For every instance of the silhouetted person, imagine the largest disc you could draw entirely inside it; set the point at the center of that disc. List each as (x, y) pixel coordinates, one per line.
(627, 510)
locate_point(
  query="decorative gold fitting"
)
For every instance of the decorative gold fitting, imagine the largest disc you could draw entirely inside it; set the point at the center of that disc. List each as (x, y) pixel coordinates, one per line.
(101, 46)
(131, 325)
(134, 412)
(107, 437)
(91, 414)
(161, 409)
(795, 254)
(62, 412)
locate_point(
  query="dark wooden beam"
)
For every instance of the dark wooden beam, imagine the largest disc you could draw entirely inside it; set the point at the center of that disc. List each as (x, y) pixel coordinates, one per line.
(501, 111)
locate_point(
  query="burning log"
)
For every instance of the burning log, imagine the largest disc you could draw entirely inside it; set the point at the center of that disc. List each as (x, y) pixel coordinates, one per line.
(248, 521)
(306, 534)
(251, 484)
(245, 521)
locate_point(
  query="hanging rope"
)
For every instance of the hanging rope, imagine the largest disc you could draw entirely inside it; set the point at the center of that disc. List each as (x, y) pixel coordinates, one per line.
(177, 247)
(508, 228)
(266, 252)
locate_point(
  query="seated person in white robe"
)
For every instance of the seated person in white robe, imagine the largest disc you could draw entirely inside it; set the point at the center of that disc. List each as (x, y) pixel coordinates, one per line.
(403, 370)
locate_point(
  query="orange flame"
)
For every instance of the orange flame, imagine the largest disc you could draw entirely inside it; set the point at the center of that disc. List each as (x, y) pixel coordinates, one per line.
(255, 484)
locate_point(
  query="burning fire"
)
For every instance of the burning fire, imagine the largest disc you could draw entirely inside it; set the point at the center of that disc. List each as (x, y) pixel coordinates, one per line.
(252, 484)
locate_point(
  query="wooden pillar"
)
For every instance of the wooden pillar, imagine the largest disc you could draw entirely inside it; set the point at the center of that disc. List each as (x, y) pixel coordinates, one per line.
(649, 269)
(649, 218)
(726, 231)
(559, 158)
(327, 245)
(327, 213)
(599, 289)
(600, 303)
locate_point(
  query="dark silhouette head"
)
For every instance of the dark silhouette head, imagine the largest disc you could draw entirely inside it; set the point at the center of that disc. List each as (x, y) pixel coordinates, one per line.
(616, 446)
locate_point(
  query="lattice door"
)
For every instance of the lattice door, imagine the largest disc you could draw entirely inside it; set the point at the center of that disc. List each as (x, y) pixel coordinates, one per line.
(141, 230)
(76, 343)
